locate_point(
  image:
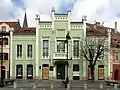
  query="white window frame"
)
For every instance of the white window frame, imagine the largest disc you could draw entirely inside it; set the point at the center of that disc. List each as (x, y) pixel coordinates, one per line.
(77, 47)
(28, 56)
(18, 57)
(4, 28)
(46, 57)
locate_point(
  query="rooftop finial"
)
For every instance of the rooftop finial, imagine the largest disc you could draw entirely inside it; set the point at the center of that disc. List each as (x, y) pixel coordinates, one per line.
(53, 9)
(69, 10)
(84, 18)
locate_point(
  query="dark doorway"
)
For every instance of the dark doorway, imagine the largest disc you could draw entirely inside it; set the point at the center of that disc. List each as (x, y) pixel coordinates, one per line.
(3, 72)
(19, 71)
(29, 71)
(60, 71)
(116, 75)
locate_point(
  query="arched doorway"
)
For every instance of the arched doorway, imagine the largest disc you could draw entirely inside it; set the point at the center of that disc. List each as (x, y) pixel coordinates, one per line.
(116, 74)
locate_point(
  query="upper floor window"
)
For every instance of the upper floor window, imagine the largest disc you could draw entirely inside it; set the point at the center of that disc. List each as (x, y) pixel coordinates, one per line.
(19, 51)
(4, 56)
(45, 48)
(29, 51)
(3, 28)
(116, 55)
(102, 54)
(76, 48)
(60, 46)
(4, 41)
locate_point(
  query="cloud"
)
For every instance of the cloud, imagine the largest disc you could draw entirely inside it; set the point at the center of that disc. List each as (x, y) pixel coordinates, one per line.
(43, 7)
(99, 10)
(104, 11)
(5, 8)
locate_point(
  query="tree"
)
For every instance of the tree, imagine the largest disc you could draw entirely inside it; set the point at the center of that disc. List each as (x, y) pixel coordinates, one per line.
(93, 48)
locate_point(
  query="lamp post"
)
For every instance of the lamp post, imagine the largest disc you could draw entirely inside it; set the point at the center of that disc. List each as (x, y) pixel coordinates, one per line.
(2, 78)
(66, 41)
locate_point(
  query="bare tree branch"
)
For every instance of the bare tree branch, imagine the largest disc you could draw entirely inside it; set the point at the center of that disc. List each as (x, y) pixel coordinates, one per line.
(92, 48)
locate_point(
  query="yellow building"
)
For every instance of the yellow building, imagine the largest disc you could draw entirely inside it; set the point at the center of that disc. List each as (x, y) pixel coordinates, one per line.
(5, 37)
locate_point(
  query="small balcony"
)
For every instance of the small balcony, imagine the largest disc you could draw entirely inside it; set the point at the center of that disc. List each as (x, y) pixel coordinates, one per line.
(59, 55)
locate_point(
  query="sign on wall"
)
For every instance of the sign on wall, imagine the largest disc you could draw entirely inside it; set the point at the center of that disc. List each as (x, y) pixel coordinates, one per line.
(76, 73)
(45, 73)
(100, 72)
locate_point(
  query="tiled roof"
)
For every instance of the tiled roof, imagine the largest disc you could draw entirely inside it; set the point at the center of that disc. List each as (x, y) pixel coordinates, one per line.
(115, 39)
(11, 24)
(25, 31)
(96, 30)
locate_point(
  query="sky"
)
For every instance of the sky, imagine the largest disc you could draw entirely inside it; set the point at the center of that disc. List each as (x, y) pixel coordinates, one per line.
(107, 11)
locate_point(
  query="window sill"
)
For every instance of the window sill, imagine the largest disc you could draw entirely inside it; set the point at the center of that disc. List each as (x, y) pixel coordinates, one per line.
(19, 58)
(45, 57)
(29, 58)
(75, 58)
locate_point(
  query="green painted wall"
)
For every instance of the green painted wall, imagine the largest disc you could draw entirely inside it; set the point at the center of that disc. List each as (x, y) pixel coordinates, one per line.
(24, 60)
(59, 32)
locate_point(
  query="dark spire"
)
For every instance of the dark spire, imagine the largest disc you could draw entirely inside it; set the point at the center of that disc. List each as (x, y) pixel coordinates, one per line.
(25, 20)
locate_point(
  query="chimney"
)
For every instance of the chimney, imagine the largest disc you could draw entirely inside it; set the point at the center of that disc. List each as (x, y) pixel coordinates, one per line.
(116, 27)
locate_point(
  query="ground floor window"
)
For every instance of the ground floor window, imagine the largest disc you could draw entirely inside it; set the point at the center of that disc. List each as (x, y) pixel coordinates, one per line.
(76, 73)
(100, 72)
(45, 71)
(19, 71)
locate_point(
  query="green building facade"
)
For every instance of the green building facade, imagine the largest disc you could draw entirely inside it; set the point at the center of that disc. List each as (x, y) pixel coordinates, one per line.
(43, 54)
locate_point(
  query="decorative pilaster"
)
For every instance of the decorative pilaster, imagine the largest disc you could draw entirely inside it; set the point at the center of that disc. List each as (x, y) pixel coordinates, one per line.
(11, 60)
(37, 33)
(52, 44)
(84, 19)
(53, 35)
(109, 49)
(69, 11)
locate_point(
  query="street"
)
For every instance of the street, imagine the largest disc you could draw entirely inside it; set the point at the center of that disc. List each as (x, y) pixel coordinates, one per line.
(56, 85)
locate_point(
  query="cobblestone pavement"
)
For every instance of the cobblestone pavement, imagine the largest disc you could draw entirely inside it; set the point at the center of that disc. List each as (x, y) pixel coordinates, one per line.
(53, 89)
(45, 85)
